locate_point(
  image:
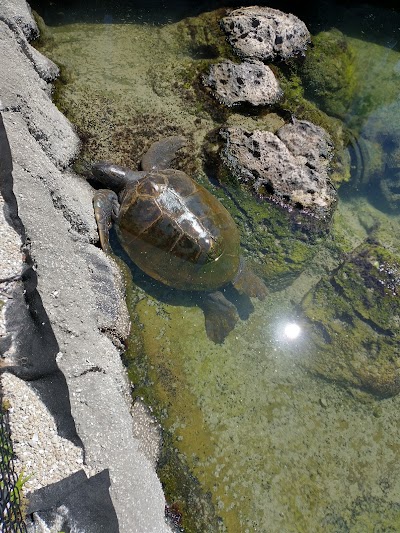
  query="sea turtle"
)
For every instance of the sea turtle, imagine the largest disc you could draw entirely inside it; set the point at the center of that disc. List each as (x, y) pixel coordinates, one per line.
(175, 231)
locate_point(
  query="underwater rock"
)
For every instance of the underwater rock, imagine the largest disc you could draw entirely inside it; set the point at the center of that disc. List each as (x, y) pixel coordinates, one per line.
(382, 129)
(329, 73)
(250, 81)
(289, 168)
(265, 33)
(390, 183)
(355, 314)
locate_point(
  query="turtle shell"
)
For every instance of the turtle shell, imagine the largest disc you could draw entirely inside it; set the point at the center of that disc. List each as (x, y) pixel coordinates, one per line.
(178, 233)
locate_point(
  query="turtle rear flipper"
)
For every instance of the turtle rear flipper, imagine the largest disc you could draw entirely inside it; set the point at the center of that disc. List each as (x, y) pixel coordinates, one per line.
(246, 282)
(220, 315)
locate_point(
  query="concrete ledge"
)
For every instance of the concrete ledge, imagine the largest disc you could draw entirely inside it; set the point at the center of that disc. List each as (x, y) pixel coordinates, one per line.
(63, 322)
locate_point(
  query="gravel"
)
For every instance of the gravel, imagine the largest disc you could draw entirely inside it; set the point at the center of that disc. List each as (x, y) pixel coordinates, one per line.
(42, 455)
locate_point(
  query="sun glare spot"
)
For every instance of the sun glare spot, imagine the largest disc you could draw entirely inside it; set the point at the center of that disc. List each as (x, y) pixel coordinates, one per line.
(292, 331)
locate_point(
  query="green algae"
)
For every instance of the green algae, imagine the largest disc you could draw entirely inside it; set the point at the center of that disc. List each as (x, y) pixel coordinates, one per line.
(329, 73)
(377, 79)
(348, 77)
(276, 244)
(236, 448)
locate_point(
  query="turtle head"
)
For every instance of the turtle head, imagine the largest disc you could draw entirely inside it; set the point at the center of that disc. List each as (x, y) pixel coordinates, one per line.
(113, 176)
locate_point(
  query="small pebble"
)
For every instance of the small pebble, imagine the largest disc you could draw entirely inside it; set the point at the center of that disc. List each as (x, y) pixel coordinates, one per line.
(323, 402)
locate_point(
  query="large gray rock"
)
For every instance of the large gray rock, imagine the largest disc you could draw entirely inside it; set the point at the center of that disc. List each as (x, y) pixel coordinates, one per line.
(265, 33)
(250, 81)
(60, 328)
(290, 168)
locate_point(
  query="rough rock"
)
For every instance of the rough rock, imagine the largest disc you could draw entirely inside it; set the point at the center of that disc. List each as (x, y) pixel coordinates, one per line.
(355, 314)
(63, 317)
(308, 143)
(11, 266)
(250, 81)
(28, 95)
(18, 13)
(289, 168)
(265, 33)
(41, 452)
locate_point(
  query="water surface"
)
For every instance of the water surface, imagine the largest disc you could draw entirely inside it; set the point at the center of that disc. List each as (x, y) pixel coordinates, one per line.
(277, 441)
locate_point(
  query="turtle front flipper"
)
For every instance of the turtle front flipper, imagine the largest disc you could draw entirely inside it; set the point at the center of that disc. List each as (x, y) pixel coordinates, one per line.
(106, 209)
(161, 153)
(220, 315)
(246, 282)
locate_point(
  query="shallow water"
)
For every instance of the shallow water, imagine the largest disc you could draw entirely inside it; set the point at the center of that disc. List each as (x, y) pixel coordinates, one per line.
(278, 438)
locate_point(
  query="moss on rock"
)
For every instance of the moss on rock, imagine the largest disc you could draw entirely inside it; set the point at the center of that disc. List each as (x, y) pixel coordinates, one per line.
(275, 242)
(328, 73)
(355, 314)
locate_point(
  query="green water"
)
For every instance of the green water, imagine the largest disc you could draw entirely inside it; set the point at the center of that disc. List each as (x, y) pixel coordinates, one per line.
(282, 435)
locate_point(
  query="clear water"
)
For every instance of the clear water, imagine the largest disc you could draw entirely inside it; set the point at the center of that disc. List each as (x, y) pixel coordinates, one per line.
(277, 431)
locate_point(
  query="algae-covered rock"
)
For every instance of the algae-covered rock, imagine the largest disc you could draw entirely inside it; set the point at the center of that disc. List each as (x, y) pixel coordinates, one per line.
(265, 33)
(277, 245)
(328, 73)
(375, 154)
(355, 315)
(203, 35)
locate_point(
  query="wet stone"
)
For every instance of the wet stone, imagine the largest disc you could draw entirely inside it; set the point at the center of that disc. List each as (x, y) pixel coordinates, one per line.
(265, 33)
(250, 81)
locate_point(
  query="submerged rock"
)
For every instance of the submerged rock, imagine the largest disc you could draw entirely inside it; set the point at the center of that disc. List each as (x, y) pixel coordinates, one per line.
(382, 130)
(355, 314)
(289, 168)
(250, 81)
(265, 33)
(329, 74)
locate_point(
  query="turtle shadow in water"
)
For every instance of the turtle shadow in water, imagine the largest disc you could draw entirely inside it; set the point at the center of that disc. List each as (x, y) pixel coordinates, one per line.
(176, 297)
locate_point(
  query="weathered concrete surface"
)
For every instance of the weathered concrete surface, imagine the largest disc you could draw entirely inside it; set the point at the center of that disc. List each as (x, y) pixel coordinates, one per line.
(54, 324)
(250, 81)
(265, 33)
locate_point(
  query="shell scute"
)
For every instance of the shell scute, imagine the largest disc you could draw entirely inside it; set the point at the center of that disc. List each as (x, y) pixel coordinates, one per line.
(138, 215)
(179, 181)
